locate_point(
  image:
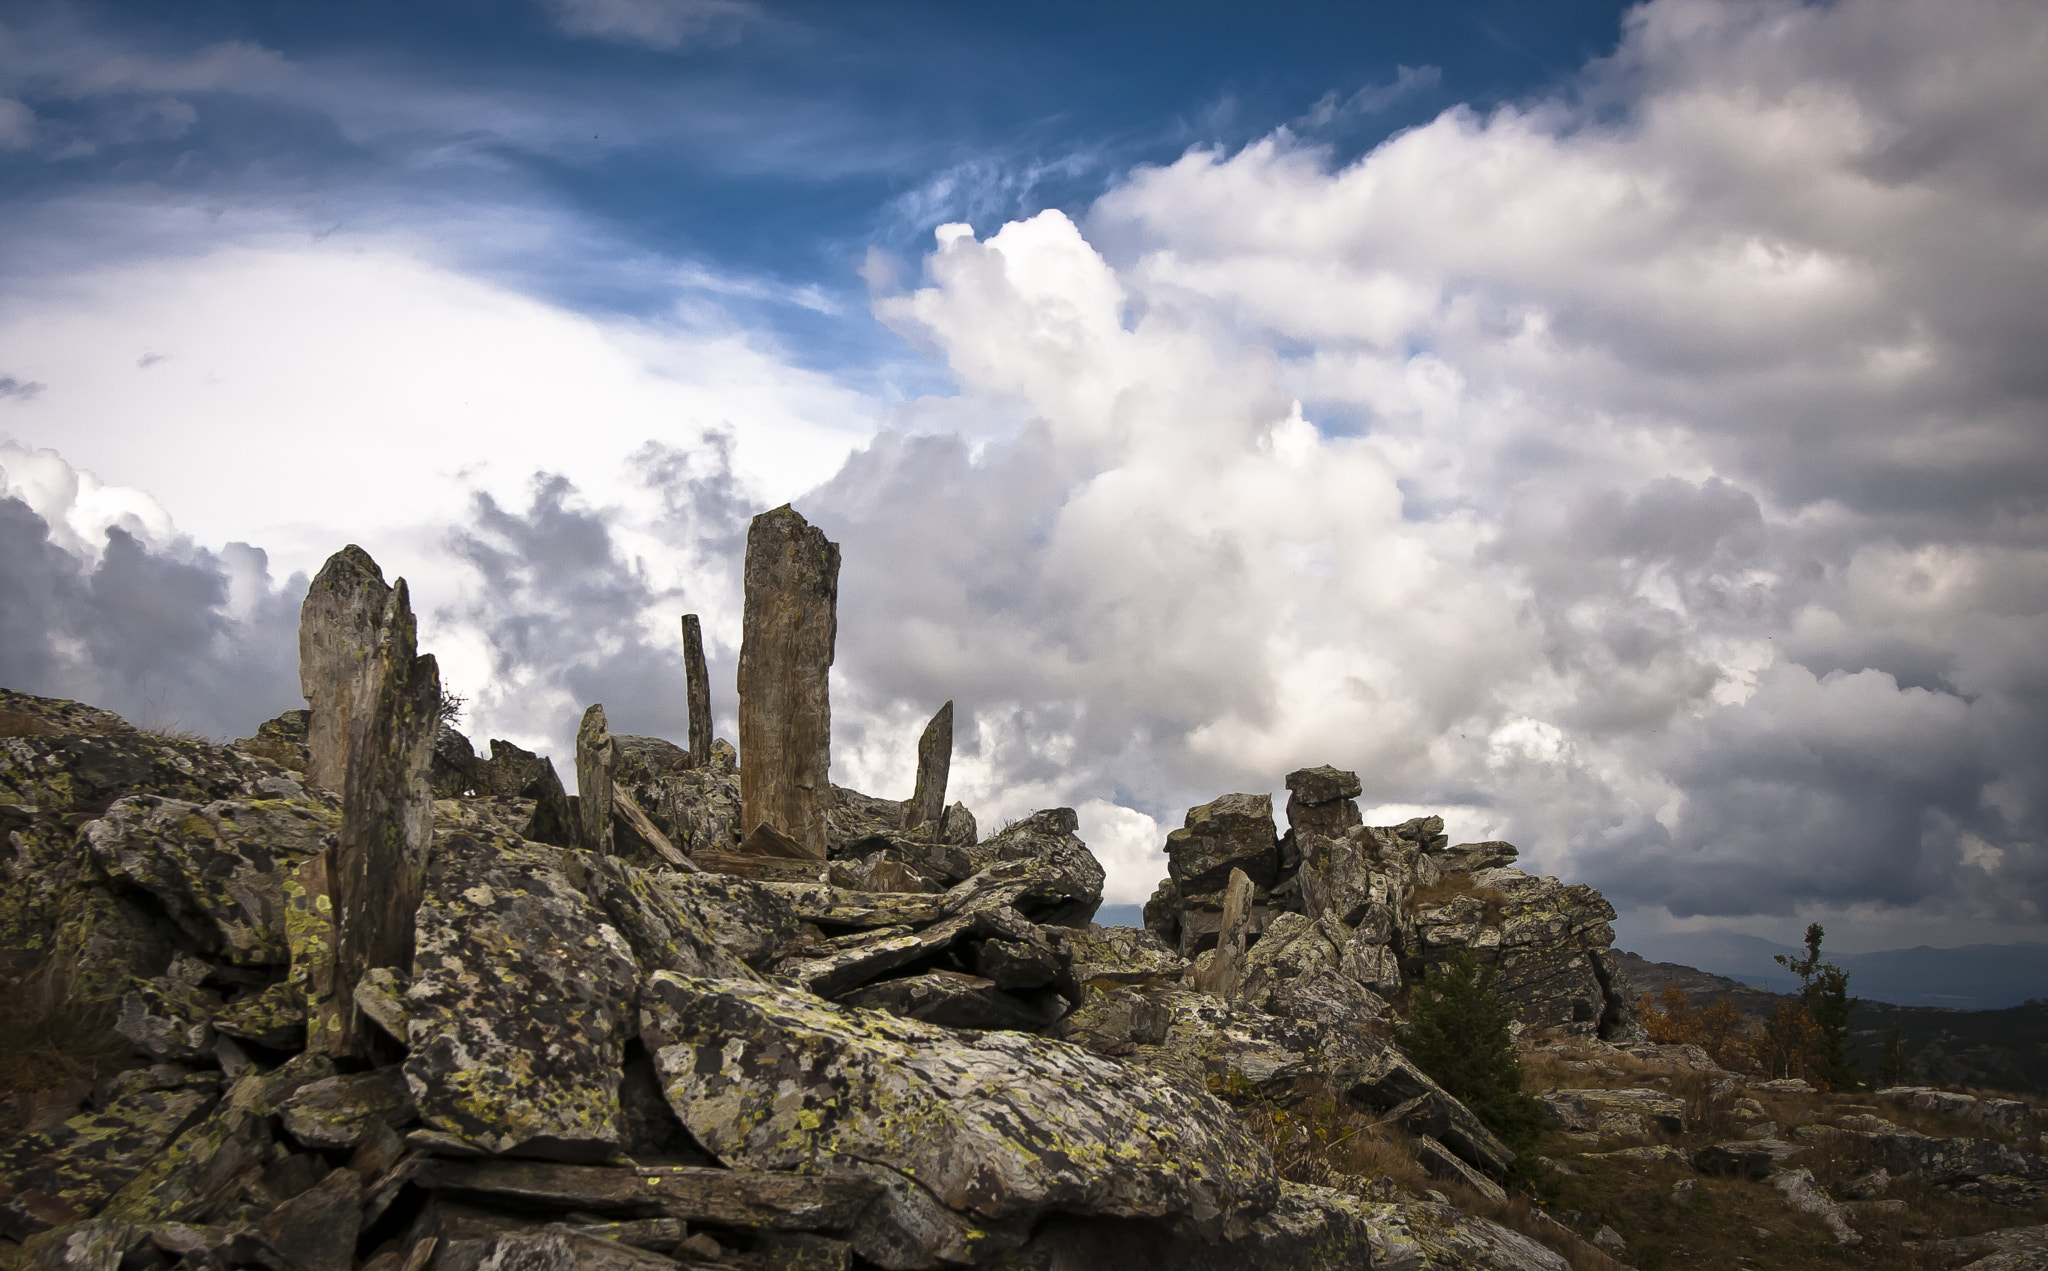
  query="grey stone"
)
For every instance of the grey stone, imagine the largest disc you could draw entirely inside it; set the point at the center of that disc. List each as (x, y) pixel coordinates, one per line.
(698, 682)
(316, 1230)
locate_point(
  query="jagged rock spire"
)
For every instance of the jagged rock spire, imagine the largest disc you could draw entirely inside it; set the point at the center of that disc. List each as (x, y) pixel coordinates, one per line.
(934, 762)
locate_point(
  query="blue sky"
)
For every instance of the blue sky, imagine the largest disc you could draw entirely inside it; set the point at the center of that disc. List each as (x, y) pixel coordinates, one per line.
(1620, 429)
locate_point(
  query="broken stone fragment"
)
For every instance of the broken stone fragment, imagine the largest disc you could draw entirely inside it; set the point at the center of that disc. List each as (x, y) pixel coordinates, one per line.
(59, 1176)
(993, 1127)
(1223, 969)
(1049, 837)
(952, 1000)
(376, 870)
(219, 869)
(342, 1111)
(789, 626)
(273, 1017)
(316, 1230)
(698, 685)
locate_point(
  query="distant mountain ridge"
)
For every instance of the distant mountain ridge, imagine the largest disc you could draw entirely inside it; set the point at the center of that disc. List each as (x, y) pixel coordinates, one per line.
(1974, 977)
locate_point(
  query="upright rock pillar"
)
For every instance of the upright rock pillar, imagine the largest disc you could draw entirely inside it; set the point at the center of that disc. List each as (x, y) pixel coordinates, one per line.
(596, 756)
(376, 705)
(337, 632)
(700, 692)
(788, 628)
(934, 763)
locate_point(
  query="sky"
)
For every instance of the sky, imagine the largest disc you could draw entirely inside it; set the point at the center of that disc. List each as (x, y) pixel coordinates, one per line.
(1622, 430)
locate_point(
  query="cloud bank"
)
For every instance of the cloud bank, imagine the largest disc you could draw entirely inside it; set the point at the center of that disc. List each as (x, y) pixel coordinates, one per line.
(1651, 475)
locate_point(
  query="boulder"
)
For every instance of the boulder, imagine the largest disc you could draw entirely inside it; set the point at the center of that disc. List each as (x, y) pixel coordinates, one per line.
(995, 1128)
(1049, 837)
(1233, 832)
(1319, 802)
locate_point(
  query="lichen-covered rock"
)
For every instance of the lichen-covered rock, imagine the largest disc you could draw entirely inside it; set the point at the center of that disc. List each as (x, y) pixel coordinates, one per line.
(517, 1012)
(1550, 946)
(340, 1111)
(1104, 957)
(200, 1171)
(1319, 802)
(97, 1244)
(169, 1017)
(667, 918)
(63, 1175)
(1049, 836)
(273, 1017)
(1338, 880)
(1233, 832)
(1433, 1237)
(219, 868)
(993, 1127)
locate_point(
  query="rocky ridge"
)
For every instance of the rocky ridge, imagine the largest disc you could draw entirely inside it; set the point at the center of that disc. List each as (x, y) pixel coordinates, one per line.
(629, 1035)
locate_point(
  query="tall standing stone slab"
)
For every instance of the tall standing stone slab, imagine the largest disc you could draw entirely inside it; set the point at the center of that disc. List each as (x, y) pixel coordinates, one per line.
(596, 756)
(338, 625)
(789, 626)
(387, 807)
(934, 763)
(700, 692)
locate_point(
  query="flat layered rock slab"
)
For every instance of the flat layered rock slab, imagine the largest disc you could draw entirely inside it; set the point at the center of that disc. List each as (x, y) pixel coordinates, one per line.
(996, 1126)
(516, 1014)
(60, 1176)
(738, 1198)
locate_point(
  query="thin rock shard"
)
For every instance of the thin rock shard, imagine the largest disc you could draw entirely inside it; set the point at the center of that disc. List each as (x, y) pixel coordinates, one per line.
(789, 626)
(700, 692)
(596, 755)
(934, 762)
(1226, 966)
(379, 864)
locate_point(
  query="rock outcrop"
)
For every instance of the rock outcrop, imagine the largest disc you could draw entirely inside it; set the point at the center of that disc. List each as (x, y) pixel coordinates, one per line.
(605, 1037)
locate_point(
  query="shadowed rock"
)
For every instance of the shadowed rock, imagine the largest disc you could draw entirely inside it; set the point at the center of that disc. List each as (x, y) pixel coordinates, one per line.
(927, 805)
(1221, 973)
(789, 627)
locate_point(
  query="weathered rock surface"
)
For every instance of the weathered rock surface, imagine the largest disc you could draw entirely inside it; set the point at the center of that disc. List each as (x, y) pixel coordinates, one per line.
(994, 1128)
(518, 1010)
(339, 626)
(789, 627)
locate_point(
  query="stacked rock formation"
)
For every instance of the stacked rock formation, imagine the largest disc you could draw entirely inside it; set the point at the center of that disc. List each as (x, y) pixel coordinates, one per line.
(1389, 902)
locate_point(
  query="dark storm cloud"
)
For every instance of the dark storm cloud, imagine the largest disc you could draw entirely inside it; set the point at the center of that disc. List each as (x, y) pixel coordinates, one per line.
(572, 615)
(154, 636)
